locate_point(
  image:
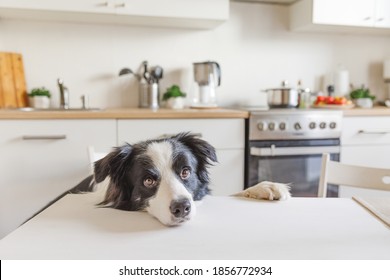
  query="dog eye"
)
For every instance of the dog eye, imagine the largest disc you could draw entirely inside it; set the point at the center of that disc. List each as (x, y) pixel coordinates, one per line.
(149, 182)
(185, 173)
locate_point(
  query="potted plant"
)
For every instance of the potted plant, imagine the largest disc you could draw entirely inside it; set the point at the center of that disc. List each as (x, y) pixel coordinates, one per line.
(174, 97)
(362, 97)
(39, 98)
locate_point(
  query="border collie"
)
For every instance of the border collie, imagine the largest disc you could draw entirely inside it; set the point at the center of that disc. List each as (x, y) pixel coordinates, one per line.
(163, 177)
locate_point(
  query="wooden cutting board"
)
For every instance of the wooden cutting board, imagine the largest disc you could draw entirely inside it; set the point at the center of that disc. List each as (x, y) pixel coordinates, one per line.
(13, 91)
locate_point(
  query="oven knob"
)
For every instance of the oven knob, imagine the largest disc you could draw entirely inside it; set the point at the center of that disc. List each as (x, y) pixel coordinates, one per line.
(271, 126)
(322, 125)
(297, 126)
(312, 125)
(262, 126)
(332, 125)
(282, 126)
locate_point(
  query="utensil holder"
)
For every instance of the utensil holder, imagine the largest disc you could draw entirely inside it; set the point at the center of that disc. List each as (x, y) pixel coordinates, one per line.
(149, 95)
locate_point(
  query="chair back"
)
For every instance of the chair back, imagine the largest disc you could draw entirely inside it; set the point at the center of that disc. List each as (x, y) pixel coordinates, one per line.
(94, 156)
(333, 172)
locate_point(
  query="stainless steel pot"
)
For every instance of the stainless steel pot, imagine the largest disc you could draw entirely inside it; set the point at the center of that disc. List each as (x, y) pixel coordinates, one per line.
(283, 97)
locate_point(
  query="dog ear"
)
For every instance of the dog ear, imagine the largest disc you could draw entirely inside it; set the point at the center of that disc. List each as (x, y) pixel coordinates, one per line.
(203, 151)
(112, 164)
(116, 165)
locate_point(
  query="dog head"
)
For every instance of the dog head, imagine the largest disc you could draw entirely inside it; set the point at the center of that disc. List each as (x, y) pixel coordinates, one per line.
(163, 176)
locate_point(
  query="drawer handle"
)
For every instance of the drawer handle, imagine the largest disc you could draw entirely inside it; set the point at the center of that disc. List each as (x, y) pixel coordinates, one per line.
(102, 4)
(374, 131)
(120, 5)
(44, 137)
(168, 135)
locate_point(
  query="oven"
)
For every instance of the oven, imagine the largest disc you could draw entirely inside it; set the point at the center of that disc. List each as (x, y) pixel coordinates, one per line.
(286, 146)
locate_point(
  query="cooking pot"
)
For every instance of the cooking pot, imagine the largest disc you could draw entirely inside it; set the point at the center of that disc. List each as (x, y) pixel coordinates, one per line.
(282, 97)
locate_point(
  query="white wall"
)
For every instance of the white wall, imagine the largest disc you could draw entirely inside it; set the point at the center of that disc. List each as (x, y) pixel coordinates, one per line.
(254, 48)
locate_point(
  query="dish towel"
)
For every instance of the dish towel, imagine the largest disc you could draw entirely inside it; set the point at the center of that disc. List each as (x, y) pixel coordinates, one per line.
(379, 206)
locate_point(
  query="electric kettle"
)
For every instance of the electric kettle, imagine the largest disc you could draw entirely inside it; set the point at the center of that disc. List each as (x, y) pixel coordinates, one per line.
(207, 76)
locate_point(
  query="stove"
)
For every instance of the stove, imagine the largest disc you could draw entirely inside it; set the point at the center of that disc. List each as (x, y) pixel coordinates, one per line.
(286, 146)
(295, 124)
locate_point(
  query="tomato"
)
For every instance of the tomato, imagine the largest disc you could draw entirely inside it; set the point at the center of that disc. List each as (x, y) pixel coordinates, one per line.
(330, 100)
(340, 100)
(321, 98)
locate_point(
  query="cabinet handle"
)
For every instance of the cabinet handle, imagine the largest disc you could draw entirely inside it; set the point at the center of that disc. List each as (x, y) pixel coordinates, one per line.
(293, 151)
(103, 4)
(167, 135)
(367, 18)
(44, 137)
(380, 19)
(373, 132)
(120, 5)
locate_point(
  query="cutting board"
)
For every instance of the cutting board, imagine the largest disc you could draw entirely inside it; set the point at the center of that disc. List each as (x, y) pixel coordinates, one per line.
(13, 91)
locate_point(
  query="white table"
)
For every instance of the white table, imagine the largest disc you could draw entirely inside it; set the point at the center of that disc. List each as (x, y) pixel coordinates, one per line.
(224, 228)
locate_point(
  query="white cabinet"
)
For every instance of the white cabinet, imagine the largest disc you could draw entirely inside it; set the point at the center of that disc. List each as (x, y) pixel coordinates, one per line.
(226, 135)
(40, 159)
(171, 13)
(90, 6)
(341, 15)
(343, 12)
(365, 141)
(382, 14)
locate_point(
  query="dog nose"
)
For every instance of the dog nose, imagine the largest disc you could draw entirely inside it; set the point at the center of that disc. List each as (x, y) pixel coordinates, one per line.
(180, 208)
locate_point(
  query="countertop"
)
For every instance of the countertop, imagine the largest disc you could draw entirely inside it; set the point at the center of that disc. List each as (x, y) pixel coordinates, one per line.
(225, 227)
(360, 112)
(138, 113)
(125, 113)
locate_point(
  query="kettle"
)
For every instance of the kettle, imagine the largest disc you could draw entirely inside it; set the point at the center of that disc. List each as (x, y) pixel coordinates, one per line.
(207, 76)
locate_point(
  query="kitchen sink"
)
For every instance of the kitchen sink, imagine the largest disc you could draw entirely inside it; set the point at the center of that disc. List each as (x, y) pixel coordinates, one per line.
(30, 109)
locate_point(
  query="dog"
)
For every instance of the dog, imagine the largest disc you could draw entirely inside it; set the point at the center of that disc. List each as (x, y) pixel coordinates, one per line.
(164, 177)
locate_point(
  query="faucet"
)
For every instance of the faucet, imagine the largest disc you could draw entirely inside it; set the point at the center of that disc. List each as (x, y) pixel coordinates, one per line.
(64, 94)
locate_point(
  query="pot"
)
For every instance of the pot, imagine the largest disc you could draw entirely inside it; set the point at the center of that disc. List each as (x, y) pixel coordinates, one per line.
(283, 97)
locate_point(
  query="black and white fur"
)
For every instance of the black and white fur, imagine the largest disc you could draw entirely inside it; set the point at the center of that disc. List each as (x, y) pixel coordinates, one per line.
(163, 177)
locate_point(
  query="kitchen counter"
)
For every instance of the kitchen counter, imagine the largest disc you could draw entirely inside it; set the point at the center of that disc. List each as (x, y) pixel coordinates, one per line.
(138, 113)
(360, 112)
(125, 113)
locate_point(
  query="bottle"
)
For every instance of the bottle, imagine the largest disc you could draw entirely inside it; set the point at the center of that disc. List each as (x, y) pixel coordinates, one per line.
(304, 96)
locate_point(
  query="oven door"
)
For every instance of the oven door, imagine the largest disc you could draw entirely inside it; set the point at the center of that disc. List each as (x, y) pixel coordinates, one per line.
(293, 162)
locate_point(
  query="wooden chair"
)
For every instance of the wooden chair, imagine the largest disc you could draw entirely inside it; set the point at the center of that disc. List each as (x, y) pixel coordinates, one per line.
(94, 156)
(333, 172)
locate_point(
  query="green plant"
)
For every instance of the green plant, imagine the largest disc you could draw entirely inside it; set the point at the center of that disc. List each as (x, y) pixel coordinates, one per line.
(39, 92)
(361, 93)
(173, 91)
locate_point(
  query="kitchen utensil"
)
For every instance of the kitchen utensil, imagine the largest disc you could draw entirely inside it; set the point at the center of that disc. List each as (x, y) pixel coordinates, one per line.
(125, 71)
(146, 74)
(156, 73)
(149, 90)
(283, 97)
(154, 96)
(13, 92)
(207, 76)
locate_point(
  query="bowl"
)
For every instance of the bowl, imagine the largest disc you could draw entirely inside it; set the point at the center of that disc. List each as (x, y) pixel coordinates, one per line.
(364, 102)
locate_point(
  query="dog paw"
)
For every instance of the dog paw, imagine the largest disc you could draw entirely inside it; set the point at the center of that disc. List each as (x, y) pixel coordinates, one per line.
(267, 191)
